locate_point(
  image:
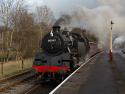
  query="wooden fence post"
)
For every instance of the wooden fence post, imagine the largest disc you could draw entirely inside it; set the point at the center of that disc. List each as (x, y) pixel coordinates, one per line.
(2, 68)
(22, 64)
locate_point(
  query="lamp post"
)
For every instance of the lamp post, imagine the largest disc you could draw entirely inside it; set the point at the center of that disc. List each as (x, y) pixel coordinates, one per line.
(110, 48)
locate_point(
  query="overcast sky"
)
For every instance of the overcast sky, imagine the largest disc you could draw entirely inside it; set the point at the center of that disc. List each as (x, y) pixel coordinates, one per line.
(60, 6)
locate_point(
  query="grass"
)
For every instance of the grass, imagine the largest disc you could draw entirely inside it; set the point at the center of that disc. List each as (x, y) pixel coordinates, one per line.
(13, 67)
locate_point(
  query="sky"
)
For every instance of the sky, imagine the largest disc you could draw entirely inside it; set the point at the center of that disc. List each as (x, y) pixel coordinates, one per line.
(94, 15)
(68, 5)
(61, 6)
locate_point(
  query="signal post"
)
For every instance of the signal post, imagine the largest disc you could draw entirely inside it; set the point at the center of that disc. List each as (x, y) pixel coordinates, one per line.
(110, 48)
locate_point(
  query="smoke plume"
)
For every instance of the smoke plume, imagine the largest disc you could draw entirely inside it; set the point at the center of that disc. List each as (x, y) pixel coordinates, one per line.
(98, 19)
(63, 20)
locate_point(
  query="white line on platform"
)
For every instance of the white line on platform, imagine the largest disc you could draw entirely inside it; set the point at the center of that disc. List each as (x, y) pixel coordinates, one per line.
(53, 91)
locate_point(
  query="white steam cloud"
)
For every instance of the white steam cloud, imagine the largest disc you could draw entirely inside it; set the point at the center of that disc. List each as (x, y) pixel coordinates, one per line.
(98, 20)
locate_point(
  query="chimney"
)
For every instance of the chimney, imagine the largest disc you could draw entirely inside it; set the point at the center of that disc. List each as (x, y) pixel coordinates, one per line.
(56, 28)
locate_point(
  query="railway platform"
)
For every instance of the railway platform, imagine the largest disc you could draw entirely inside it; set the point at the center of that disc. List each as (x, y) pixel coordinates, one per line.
(97, 76)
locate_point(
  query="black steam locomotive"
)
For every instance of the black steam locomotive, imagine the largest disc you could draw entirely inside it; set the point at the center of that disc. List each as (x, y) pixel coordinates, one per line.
(61, 53)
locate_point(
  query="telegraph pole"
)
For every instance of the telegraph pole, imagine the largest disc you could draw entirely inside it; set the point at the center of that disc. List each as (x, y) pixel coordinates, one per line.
(110, 48)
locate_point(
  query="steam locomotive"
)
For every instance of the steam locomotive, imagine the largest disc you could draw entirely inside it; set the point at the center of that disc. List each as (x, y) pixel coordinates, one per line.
(61, 53)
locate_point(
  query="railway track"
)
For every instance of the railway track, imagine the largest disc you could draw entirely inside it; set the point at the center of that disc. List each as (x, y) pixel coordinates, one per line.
(15, 75)
(25, 83)
(77, 71)
(31, 89)
(43, 88)
(47, 87)
(7, 84)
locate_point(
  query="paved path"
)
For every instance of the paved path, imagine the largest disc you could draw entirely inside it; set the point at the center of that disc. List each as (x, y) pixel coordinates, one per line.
(99, 76)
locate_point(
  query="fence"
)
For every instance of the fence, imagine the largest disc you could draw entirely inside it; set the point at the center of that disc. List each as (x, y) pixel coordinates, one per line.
(12, 67)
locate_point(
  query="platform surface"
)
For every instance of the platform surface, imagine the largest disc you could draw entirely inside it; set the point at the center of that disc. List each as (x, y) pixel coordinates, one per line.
(99, 76)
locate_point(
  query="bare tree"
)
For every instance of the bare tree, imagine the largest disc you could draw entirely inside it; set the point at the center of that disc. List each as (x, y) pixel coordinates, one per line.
(21, 31)
(6, 8)
(44, 15)
(44, 18)
(26, 36)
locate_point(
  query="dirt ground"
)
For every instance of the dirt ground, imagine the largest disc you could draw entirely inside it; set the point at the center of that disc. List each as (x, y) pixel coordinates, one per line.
(12, 67)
